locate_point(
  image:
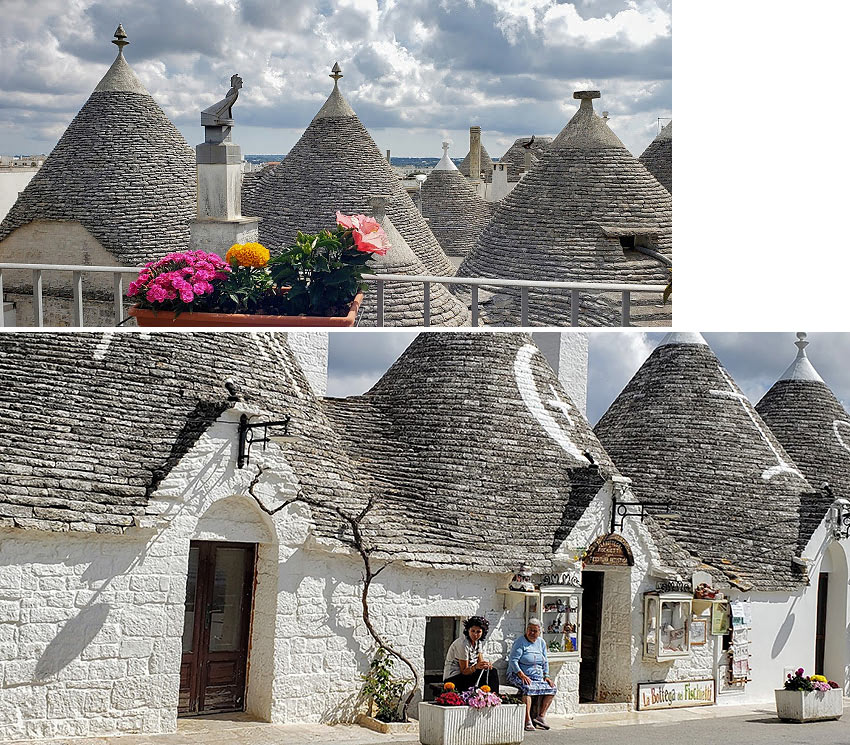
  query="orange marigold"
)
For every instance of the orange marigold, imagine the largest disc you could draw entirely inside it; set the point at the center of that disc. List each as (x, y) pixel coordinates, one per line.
(485, 689)
(247, 254)
(448, 686)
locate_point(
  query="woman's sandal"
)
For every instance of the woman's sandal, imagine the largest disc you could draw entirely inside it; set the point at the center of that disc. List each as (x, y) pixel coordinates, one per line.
(538, 722)
(529, 727)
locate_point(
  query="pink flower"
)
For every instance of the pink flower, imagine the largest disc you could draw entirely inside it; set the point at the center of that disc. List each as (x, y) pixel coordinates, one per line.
(349, 223)
(374, 240)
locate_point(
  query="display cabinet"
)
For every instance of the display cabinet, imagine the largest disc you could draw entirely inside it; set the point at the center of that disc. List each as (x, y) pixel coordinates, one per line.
(667, 621)
(559, 609)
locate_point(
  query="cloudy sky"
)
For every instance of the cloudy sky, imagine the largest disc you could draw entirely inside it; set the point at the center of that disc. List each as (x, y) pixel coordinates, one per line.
(755, 361)
(416, 71)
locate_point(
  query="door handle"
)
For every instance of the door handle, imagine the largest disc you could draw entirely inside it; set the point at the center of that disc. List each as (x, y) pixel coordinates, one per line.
(208, 619)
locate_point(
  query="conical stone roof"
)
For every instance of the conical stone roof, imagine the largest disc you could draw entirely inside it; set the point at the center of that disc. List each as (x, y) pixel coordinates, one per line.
(568, 218)
(121, 169)
(114, 413)
(515, 156)
(486, 165)
(685, 434)
(814, 428)
(658, 157)
(404, 301)
(455, 212)
(476, 454)
(336, 166)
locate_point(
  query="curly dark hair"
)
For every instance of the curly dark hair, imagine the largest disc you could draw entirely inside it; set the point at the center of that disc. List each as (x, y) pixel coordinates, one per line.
(479, 621)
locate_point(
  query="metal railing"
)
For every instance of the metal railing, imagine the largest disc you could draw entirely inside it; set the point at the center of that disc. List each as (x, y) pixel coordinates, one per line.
(381, 280)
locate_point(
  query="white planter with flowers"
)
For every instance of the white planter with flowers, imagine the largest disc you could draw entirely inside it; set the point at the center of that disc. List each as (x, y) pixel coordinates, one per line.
(809, 706)
(465, 725)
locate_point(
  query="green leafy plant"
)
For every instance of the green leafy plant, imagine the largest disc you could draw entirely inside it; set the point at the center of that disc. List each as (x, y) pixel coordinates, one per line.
(383, 689)
(325, 271)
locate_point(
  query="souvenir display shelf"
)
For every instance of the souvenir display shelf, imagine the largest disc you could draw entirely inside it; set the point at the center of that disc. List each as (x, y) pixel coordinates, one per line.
(559, 609)
(667, 621)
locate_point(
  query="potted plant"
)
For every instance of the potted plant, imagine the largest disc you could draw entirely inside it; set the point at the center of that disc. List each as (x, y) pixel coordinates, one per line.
(474, 717)
(808, 698)
(316, 282)
(383, 692)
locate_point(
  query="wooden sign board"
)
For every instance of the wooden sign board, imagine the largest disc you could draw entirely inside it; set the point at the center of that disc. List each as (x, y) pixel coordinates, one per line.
(610, 550)
(675, 695)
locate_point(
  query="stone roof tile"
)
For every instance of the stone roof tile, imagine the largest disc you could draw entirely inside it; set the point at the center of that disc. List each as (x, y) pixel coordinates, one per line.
(658, 157)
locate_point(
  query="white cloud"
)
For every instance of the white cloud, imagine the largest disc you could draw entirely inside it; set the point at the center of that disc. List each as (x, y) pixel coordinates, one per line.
(640, 24)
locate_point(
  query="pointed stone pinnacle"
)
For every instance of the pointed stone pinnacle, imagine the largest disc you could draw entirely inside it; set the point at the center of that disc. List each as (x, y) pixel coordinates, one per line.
(336, 72)
(120, 39)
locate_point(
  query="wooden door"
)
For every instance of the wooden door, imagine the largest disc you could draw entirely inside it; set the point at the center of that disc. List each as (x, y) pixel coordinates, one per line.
(216, 622)
(591, 627)
(820, 629)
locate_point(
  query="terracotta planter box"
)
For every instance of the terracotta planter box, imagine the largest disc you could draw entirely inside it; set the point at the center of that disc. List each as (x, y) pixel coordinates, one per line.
(387, 728)
(463, 725)
(809, 706)
(167, 318)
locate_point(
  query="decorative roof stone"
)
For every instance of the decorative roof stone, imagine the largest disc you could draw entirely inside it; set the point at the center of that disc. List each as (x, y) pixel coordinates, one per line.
(121, 169)
(683, 337)
(114, 413)
(455, 212)
(335, 166)
(658, 157)
(684, 433)
(445, 163)
(814, 428)
(449, 489)
(550, 226)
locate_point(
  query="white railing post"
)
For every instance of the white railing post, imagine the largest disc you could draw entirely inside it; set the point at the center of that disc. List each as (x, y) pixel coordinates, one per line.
(627, 308)
(474, 304)
(523, 306)
(380, 320)
(2, 302)
(118, 296)
(426, 304)
(77, 298)
(574, 303)
(37, 300)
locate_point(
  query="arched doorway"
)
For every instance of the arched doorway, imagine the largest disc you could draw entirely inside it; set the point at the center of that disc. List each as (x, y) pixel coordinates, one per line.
(831, 634)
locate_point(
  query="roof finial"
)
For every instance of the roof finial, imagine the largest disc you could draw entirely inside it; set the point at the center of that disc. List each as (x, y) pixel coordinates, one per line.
(446, 148)
(801, 343)
(120, 39)
(336, 73)
(586, 98)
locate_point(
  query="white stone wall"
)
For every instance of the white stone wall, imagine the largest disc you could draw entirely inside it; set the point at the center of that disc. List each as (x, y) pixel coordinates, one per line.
(12, 182)
(311, 350)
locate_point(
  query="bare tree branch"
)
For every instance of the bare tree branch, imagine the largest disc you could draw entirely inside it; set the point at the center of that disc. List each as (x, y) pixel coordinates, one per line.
(364, 550)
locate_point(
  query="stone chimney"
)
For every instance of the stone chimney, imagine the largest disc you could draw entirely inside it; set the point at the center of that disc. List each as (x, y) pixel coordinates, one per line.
(526, 160)
(567, 352)
(388, 157)
(220, 223)
(475, 153)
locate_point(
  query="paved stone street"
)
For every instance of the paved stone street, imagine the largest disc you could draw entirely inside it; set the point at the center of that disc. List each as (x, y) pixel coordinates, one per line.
(707, 726)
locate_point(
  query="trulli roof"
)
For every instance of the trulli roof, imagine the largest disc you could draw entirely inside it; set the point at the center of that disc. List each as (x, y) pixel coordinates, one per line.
(403, 301)
(515, 156)
(686, 435)
(112, 414)
(814, 428)
(658, 157)
(121, 169)
(455, 212)
(336, 166)
(565, 220)
(486, 165)
(475, 453)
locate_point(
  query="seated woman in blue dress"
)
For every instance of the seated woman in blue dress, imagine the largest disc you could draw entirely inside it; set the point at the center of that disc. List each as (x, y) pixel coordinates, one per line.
(465, 664)
(528, 670)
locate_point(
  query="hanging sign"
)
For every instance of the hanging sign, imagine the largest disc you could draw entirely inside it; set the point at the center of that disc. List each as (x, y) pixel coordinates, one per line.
(610, 550)
(675, 695)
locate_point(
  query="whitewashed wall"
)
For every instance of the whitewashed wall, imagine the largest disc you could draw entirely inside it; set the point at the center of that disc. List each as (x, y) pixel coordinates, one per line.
(12, 182)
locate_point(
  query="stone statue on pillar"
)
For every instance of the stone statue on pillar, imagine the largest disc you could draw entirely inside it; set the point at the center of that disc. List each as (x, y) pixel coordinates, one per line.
(220, 223)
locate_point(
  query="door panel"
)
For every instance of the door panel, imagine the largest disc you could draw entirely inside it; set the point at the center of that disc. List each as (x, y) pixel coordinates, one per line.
(215, 630)
(591, 627)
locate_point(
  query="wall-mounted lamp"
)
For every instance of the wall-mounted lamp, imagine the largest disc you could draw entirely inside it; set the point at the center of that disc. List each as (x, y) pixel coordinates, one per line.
(839, 518)
(247, 437)
(621, 510)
